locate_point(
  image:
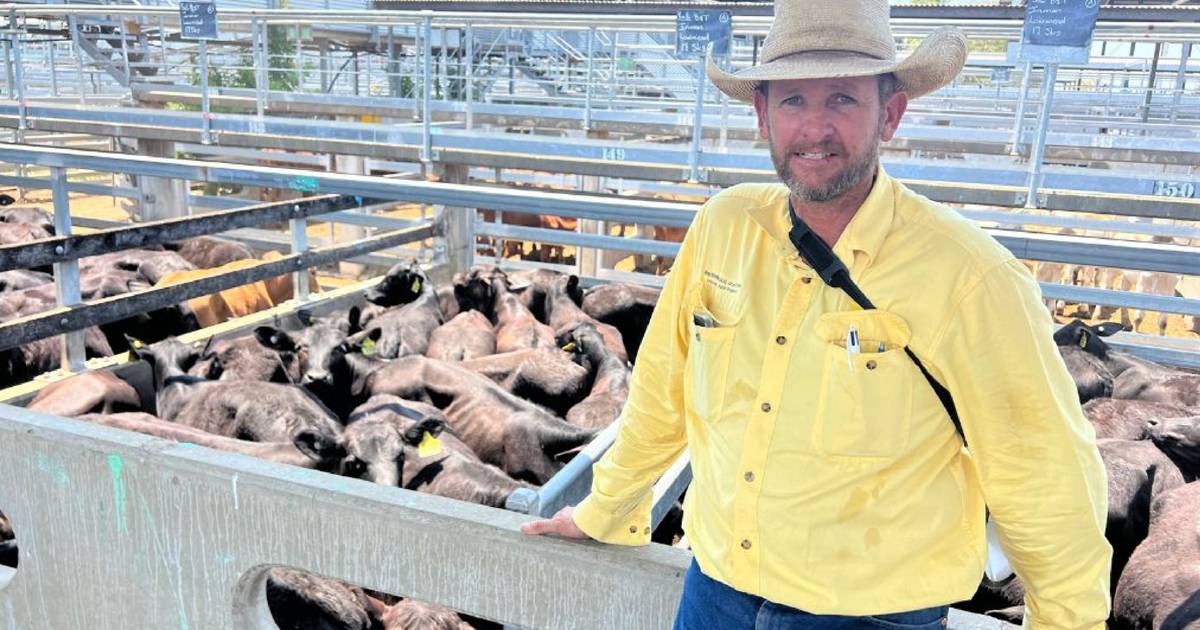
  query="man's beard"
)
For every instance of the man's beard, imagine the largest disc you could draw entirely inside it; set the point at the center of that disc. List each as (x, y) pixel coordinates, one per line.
(843, 181)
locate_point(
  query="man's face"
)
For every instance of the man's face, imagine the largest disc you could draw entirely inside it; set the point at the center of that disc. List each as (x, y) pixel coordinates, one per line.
(824, 134)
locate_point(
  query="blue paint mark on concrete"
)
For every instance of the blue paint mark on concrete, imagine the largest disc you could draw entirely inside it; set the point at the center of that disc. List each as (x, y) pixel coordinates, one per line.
(114, 466)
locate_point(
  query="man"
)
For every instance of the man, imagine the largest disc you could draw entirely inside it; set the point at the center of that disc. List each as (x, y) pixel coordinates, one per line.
(831, 488)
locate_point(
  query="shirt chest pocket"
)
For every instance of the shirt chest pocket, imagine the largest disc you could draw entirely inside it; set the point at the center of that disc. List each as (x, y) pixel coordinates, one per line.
(712, 325)
(865, 407)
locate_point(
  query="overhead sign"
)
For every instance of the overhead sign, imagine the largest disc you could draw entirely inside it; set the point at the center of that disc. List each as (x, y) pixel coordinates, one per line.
(197, 20)
(695, 29)
(1000, 75)
(1058, 30)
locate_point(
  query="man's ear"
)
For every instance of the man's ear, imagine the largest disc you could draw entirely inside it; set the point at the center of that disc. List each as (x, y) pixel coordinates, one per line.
(893, 111)
(760, 108)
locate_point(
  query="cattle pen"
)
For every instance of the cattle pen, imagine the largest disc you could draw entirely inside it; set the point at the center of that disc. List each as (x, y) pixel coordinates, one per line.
(123, 530)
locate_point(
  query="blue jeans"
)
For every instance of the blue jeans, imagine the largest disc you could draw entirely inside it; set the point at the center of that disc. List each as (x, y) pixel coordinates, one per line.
(710, 605)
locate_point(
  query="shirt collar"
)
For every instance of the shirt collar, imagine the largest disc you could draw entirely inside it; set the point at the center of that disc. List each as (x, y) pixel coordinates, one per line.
(864, 235)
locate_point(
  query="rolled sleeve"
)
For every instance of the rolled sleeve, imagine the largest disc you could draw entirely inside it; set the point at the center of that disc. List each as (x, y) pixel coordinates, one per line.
(652, 430)
(1034, 452)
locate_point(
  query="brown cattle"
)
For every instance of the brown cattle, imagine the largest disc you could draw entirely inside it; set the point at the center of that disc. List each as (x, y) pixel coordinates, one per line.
(91, 392)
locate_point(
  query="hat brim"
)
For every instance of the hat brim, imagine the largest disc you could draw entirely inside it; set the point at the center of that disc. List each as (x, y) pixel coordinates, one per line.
(934, 64)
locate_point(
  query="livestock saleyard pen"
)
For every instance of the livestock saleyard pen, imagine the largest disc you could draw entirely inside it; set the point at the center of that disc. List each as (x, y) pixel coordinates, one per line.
(122, 530)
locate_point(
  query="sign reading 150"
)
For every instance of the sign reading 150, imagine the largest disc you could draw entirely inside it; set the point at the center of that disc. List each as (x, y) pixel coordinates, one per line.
(1186, 190)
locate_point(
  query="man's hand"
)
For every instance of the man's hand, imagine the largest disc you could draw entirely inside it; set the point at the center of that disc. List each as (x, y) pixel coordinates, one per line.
(561, 524)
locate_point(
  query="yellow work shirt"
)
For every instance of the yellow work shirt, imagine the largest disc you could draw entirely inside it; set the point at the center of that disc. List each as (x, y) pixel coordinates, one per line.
(834, 482)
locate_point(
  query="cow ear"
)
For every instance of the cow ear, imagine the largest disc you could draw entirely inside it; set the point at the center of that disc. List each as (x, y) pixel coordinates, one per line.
(139, 349)
(413, 435)
(274, 339)
(355, 319)
(431, 425)
(305, 317)
(315, 446)
(1108, 329)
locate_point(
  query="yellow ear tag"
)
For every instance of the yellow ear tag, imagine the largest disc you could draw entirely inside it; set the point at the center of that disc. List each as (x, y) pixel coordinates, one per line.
(1083, 342)
(570, 347)
(416, 286)
(429, 446)
(368, 347)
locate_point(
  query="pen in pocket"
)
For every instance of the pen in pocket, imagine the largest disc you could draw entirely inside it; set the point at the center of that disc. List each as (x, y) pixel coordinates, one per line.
(852, 346)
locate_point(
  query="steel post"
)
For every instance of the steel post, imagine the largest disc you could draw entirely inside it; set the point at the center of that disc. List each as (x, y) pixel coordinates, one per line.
(1150, 81)
(1019, 120)
(612, 75)
(73, 27)
(392, 80)
(299, 57)
(19, 69)
(426, 76)
(591, 63)
(470, 87)
(259, 46)
(205, 114)
(53, 67)
(1180, 80)
(162, 45)
(9, 80)
(299, 233)
(125, 51)
(66, 274)
(1038, 150)
(697, 124)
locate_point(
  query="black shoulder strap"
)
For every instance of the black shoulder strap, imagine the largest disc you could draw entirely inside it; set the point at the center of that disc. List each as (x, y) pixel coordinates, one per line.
(817, 253)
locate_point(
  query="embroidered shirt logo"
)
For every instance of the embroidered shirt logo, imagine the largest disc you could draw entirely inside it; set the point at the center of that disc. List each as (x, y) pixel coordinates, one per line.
(717, 282)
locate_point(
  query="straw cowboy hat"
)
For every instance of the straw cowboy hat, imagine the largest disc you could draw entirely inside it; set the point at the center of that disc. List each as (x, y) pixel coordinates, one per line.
(818, 39)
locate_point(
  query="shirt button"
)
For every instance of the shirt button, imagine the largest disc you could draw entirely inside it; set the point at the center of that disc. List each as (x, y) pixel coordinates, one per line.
(749, 476)
(633, 529)
(781, 340)
(646, 531)
(746, 544)
(871, 364)
(806, 279)
(766, 407)
(697, 336)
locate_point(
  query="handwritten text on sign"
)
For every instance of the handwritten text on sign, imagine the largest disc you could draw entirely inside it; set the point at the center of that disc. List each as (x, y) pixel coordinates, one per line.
(1060, 22)
(197, 20)
(695, 29)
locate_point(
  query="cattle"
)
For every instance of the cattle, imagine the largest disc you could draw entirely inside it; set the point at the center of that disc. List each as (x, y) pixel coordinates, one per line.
(238, 301)
(21, 233)
(1158, 588)
(91, 392)
(518, 436)
(562, 311)
(264, 412)
(150, 264)
(532, 286)
(1158, 385)
(206, 252)
(6, 200)
(250, 359)
(403, 283)
(516, 327)
(1136, 473)
(300, 600)
(405, 330)
(326, 354)
(411, 614)
(1126, 419)
(384, 435)
(627, 307)
(468, 336)
(544, 376)
(24, 362)
(21, 279)
(8, 543)
(35, 217)
(610, 378)
(475, 290)
(1179, 438)
(278, 452)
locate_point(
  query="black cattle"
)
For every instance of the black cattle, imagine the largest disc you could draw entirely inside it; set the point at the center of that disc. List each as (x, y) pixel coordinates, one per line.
(250, 359)
(516, 327)
(384, 436)
(30, 216)
(21, 279)
(627, 307)
(1158, 384)
(562, 311)
(610, 377)
(1179, 438)
(468, 336)
(548, 377)
(263, 412)
(1126, 419)
(405, 330)
(299, 600)
(90, 392)
(8, 543)
(24, 362)
(1160, 586)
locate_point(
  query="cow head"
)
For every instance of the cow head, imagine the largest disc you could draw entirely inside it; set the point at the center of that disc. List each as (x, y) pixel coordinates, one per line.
(474, 291)
(1179, 438)
(377, 447)
(581, 340)
(403, 283)
(322, 348)
(1087, 337)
